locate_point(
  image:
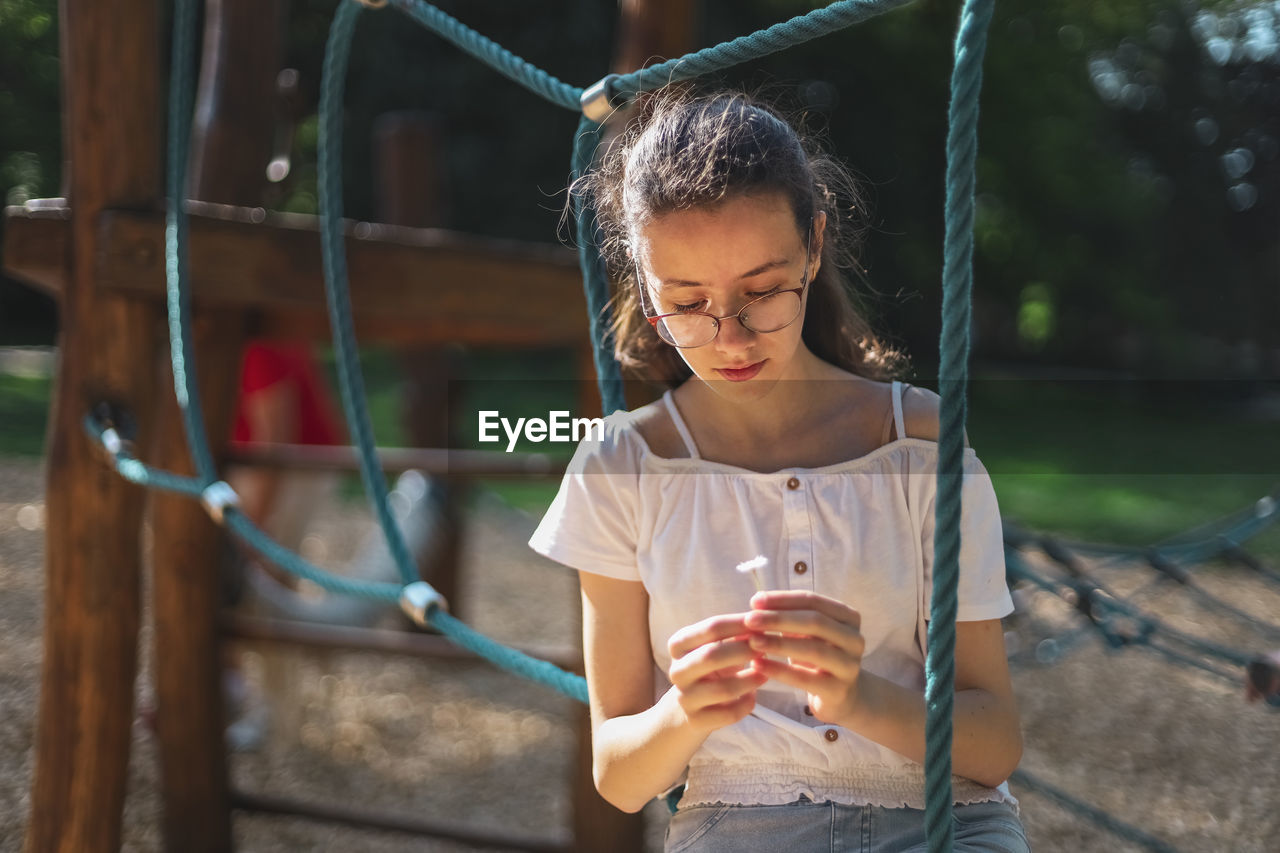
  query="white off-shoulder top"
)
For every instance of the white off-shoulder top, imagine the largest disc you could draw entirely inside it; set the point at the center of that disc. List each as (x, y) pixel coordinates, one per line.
(860, 531)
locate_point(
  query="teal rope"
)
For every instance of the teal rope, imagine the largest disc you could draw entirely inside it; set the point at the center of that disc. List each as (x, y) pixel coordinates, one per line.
(1110, 603)
(336, 287)
(492, 54)
(177, 300)
(595, 281)
(350, 381)
(573, 686)
(138, 472)
(595, 278)
(798, 30)
(182, 352)
(957, 285)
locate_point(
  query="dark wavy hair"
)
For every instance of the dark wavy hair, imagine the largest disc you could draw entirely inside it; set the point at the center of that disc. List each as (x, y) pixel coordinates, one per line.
(684, 150)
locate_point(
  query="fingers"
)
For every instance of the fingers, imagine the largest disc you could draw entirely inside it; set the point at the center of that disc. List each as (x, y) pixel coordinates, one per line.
(830, 697)
(710, 703)
(791, 601)
(711, 671)
(835, 623)
(724, 714)
(720, 658)
(707, 631)
(812, 653)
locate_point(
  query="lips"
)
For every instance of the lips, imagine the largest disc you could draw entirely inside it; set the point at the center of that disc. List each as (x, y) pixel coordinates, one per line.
(740, 374)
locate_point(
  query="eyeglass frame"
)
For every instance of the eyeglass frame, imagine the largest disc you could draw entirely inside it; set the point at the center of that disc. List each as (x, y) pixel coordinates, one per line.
(737, 315)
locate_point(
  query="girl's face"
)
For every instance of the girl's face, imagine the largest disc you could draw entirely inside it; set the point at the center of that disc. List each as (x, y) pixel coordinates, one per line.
(717, 259)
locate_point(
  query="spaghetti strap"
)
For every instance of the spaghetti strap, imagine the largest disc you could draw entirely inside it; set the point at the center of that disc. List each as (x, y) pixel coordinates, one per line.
(899, 427)
(685, 435)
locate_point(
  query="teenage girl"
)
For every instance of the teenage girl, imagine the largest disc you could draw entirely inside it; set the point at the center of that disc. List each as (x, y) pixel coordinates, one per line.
(794, 717)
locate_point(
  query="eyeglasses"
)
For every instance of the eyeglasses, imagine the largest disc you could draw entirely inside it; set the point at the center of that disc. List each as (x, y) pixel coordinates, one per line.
(769, 313)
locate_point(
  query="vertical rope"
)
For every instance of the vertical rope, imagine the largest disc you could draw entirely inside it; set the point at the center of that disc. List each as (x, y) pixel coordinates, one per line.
(595, 278)
(957, 285)
(336, 285)
(177, 299)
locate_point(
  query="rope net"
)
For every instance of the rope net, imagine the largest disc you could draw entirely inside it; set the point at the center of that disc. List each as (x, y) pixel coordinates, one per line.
(954, 345)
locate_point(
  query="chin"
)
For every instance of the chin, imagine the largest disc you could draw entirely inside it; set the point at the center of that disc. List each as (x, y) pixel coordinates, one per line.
(756, 388)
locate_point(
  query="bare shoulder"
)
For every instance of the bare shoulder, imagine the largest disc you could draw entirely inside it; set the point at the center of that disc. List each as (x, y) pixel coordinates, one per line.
(653, 422)
(920, 414)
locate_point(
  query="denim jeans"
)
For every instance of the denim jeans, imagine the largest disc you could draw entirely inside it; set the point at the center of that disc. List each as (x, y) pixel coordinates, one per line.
(807, 827)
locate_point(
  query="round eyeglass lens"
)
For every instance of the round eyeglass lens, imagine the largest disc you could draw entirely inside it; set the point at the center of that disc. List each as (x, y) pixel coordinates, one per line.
(771, 313)
(687, 330)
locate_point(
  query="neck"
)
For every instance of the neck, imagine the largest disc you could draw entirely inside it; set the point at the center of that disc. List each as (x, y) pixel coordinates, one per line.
(774, 413)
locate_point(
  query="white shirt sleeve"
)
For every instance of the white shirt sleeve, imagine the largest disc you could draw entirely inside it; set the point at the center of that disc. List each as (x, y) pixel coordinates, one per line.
(592, 523)
(983, 592)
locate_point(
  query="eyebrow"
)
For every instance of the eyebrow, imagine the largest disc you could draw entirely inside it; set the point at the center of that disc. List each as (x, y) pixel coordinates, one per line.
(763, 268)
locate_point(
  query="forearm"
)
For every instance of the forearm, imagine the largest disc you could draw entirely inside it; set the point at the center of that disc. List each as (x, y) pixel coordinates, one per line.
(638, 756)
(986, 740)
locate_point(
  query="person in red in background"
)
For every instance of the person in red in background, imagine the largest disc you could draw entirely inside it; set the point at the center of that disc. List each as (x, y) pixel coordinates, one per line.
(283, 400)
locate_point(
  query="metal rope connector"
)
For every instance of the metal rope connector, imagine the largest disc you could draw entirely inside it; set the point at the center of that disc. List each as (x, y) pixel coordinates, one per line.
(596, 99)
(114, 428)
(216, 497)
(112, 442)
(418, 599)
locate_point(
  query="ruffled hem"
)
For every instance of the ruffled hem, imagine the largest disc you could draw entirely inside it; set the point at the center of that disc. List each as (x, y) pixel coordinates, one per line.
(779, 784)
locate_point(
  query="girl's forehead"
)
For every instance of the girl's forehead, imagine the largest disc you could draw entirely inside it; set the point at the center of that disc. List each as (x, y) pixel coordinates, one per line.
(740, 232)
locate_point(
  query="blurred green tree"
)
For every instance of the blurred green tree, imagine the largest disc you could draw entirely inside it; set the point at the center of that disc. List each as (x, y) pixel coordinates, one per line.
(30, 152)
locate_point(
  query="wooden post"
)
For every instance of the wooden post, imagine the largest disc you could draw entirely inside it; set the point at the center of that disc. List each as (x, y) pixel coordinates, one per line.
(106, 346)
(231, 147)
(410, 175)
(652, 30)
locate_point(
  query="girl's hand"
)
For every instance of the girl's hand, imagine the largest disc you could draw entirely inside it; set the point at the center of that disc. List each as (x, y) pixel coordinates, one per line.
(711, 671)
(821, 640)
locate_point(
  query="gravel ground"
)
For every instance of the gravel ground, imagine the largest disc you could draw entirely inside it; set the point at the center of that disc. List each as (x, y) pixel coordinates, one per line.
(1170, 750)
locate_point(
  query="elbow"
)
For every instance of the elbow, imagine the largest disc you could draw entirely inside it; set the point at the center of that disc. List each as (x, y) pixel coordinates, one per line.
(621, 800)
(1003, 763)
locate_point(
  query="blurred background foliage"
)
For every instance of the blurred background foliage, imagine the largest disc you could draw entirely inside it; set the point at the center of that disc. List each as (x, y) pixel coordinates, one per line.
(1129, 177)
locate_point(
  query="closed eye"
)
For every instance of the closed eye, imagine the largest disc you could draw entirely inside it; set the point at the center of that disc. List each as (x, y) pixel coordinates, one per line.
(685, 309)
(701, 304)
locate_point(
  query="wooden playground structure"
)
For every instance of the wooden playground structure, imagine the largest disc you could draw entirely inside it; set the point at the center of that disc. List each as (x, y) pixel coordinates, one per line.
(100, 252)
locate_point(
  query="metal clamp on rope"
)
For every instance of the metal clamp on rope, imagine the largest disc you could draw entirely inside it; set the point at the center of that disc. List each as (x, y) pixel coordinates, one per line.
(217, 497)
(596, 99)
(111, 442)
(418, 599)
(113, 427)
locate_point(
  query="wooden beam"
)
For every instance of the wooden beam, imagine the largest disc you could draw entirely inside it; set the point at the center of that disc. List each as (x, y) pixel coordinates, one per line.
(429, 460)
(237, 626)
(427, 283)
(38, 243)
(111, 140)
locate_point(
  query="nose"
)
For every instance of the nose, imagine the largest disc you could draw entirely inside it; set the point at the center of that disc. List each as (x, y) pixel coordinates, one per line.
(733, 335)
